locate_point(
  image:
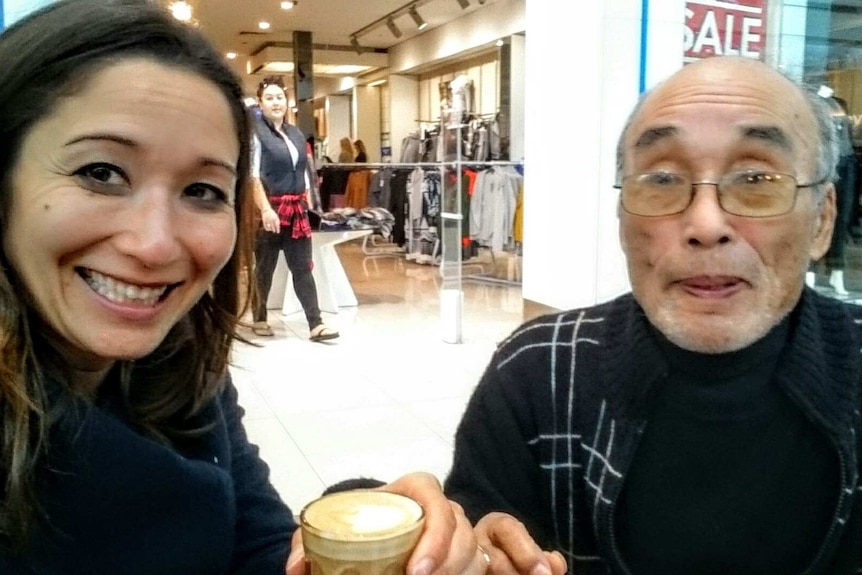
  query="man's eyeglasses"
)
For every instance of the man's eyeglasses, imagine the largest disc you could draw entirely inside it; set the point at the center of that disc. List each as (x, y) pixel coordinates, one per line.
(751, 194)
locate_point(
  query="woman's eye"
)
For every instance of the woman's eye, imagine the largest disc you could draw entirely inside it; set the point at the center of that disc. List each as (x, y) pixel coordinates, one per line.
(207, 193)
(102, 174)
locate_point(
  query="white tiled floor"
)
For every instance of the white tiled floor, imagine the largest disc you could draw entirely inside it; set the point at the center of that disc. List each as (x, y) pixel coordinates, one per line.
(382, 400)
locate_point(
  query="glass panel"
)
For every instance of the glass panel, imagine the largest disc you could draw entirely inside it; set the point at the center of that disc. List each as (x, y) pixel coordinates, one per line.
(819, 43)
(832, 60)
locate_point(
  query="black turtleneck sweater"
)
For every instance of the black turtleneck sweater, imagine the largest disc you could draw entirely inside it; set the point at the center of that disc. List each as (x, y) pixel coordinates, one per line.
(729, 476)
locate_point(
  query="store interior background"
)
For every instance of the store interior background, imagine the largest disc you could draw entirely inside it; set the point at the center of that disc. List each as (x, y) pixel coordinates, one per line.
(567, 80)
(570, 86)
(387, 397)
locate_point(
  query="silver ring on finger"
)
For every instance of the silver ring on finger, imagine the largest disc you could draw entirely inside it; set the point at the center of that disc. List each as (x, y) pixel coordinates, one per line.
(484, 555)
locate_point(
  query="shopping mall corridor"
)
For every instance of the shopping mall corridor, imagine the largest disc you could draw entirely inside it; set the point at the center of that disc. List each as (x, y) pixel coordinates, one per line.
(386, 397)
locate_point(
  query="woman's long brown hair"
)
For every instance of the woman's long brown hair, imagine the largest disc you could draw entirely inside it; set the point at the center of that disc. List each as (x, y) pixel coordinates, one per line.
(49, 55)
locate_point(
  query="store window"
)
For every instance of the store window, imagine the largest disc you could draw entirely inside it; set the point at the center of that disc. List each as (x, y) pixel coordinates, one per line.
(12, 10)
(820, 43)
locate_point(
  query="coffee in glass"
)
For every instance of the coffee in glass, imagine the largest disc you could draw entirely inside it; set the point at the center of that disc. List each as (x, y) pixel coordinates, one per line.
(360, 532)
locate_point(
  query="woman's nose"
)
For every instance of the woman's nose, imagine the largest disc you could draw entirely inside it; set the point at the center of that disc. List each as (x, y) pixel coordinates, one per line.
(153, 231)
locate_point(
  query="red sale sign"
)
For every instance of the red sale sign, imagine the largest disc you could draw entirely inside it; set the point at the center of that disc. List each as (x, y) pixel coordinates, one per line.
(724, 27)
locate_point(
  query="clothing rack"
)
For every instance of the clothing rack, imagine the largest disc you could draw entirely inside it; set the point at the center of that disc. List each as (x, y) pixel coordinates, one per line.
(484, 276)
(411, 165)
(371, 248)
(430, 165)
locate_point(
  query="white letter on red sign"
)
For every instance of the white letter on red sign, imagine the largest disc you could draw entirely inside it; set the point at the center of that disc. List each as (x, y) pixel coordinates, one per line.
(748, 37)
(708, 35)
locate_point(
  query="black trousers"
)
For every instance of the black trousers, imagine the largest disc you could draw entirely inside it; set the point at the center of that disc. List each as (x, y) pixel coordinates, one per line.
(297, 252)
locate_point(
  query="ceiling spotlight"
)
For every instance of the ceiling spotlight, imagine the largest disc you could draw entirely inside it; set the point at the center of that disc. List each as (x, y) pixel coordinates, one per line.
(464, 4)
(390, 23)
(355, 43)
(181, 10)
(231, 55)
(263, 25)
(288, 4)
(420, 23)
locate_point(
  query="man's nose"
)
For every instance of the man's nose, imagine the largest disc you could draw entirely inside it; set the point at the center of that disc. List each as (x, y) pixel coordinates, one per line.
(706, 223)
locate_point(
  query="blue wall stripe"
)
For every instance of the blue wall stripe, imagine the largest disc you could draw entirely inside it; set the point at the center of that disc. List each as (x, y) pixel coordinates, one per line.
(644, 39)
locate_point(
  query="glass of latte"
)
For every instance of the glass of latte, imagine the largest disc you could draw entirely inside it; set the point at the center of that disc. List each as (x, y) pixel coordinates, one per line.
(360, 532)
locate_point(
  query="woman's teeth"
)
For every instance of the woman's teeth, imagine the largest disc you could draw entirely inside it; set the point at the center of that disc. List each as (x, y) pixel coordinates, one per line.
(121, 292)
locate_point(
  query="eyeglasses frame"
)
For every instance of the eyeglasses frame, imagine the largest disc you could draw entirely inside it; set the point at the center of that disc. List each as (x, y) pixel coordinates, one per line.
(694, 186)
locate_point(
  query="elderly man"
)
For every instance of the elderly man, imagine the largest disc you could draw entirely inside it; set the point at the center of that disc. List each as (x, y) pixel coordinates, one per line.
(706, 422)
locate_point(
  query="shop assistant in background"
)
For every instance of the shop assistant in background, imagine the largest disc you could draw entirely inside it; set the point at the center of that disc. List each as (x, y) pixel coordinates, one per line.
(707, 422)
(345, 154)
(126, 232)
(333, 184)
(279, 173)
(361, 154)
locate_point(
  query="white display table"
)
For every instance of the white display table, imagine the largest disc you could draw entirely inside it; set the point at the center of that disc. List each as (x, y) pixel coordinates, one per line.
(333, 287)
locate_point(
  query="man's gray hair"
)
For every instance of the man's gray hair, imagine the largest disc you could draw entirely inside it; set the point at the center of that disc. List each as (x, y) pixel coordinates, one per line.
(827, 144)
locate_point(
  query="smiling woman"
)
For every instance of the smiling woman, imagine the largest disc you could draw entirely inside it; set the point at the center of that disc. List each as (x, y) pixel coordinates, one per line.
(150, 161)
(123, 146)
(124, 154)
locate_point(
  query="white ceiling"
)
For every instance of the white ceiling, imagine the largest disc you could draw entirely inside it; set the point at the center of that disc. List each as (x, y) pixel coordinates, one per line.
(232, 24)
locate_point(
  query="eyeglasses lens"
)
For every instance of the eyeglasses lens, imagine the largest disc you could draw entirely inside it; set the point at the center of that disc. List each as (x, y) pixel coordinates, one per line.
(749, 194)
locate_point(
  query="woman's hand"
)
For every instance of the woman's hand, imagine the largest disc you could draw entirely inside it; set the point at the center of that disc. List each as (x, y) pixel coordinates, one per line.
(270, 221)
(447, 545)
(511, 549)
(296, 559)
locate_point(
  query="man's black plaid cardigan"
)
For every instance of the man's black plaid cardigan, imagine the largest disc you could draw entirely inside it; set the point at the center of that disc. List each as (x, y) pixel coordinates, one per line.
(552, 427)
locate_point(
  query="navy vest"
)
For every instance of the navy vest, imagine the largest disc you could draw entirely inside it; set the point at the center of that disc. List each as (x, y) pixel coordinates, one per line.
(277, 171)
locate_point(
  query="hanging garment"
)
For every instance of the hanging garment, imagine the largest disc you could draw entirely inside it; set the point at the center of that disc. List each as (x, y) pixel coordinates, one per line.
(431, 195)
(411, 148)
(414, 193)
(379, 191)
(492, 207)
(518, 224)
(398, 204)
(356, 195)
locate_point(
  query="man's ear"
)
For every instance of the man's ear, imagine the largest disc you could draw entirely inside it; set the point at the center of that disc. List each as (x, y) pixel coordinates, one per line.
(824, 226)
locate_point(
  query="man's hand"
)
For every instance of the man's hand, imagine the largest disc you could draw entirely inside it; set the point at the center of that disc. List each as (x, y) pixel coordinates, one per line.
(270, 221)
(511, 549)
(447, 545)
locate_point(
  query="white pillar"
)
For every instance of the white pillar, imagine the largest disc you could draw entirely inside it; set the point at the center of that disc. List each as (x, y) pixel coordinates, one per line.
(403, 110)
(366, 116)
(338, 122)
(516, 97)
(583, 75)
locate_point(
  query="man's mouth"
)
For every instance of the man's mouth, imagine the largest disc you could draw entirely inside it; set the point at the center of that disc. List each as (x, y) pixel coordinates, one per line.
(712, 286)
(124, 293)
